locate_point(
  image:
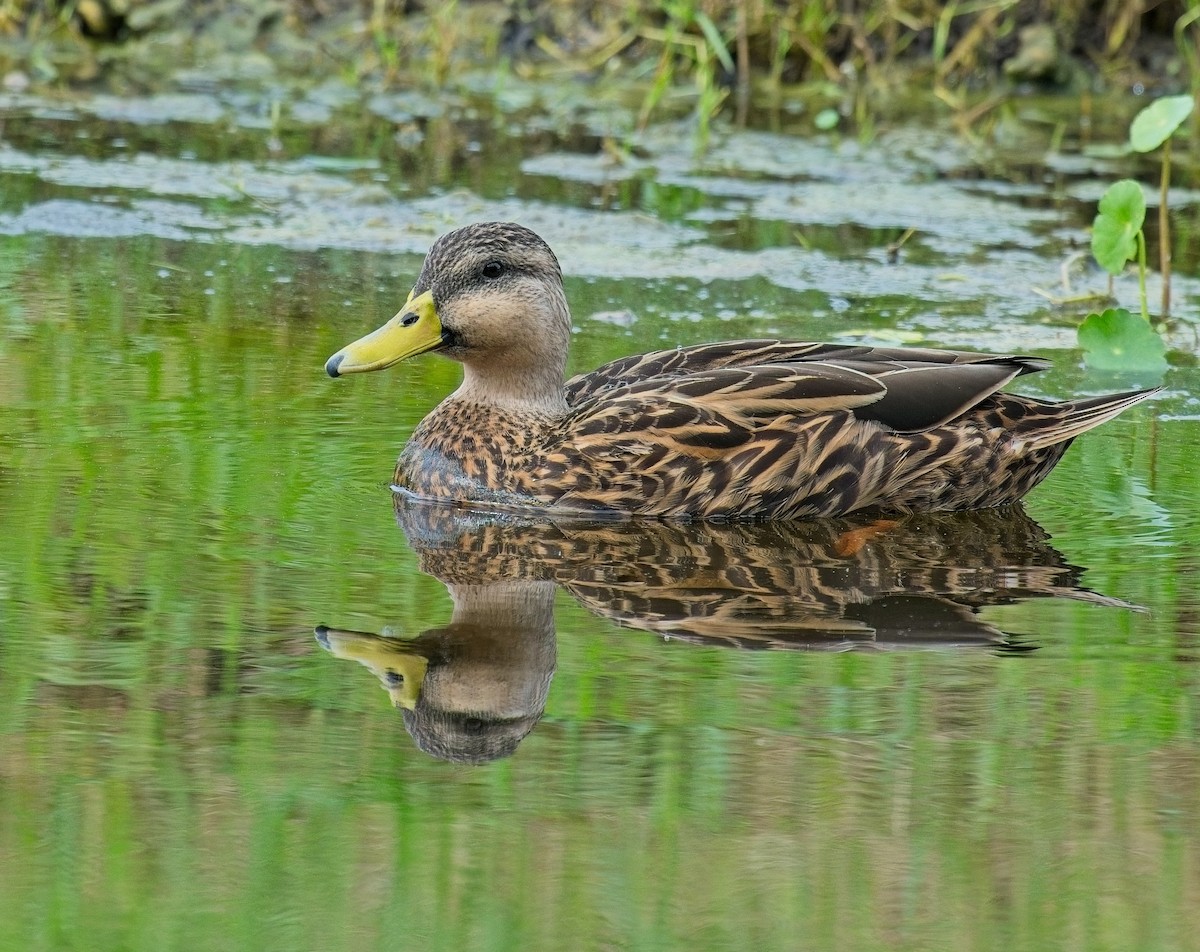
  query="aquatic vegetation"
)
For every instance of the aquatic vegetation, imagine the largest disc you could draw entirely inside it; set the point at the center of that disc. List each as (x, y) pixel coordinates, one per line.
(1116, 339)
(1152, 128)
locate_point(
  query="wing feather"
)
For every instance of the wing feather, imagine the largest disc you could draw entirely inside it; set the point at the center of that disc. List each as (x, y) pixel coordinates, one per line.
(906, 389)
(695, 359)
(735, 399)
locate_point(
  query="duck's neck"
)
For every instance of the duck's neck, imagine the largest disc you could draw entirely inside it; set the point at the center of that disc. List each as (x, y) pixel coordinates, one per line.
(525, 607)
(517, 389)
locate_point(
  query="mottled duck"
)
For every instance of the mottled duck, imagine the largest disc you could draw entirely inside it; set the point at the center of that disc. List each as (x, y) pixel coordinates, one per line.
(743, 429)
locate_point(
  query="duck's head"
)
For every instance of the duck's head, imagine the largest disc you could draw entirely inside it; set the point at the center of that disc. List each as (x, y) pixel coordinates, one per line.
(489, 295)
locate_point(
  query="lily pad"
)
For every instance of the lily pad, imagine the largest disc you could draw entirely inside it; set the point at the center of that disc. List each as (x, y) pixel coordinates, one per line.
(1115, 230)
(1155, 124)
(1119, 340)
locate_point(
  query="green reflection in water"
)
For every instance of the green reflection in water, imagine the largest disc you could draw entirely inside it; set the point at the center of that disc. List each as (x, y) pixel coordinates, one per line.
(183, 496)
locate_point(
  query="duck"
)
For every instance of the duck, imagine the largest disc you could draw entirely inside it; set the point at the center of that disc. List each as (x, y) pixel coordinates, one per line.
(734, 430)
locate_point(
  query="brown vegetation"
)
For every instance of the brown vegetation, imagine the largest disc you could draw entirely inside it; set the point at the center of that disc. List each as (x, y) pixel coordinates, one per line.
(725, 45)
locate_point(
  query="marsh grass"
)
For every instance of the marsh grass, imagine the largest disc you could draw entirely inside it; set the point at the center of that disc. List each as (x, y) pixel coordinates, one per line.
(699, 49)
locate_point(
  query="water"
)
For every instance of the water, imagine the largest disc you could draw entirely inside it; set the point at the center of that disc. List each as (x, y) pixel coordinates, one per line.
(962, 731)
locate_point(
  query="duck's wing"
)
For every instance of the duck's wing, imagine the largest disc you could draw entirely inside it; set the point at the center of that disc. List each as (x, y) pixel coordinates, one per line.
(906, 389)
(718, 443)
(777, 441)
(695, 359)
(720, 408)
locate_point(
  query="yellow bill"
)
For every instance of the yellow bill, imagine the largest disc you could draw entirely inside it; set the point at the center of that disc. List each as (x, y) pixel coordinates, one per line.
(396, 663)
(414, 330)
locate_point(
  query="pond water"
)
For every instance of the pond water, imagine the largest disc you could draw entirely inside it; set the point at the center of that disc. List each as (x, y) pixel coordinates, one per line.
(975, 731)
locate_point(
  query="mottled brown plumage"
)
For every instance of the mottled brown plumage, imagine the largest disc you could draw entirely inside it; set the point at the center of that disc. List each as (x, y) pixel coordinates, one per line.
(750, 429)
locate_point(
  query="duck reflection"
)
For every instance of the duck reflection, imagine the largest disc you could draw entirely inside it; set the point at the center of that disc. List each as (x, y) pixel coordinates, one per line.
(473, 689)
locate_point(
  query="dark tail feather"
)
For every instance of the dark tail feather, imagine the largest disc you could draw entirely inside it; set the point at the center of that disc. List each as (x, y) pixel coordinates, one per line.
(1083, 415)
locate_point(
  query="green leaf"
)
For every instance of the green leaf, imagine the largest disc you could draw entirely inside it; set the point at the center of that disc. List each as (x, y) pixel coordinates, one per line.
(826, 119)
(715, 41)
(1115, 230)
(1155, 124)
(1118, 340)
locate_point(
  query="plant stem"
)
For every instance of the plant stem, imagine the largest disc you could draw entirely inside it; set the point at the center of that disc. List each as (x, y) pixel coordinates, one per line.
(1141, 242)
(1164, 230)
(743, 65)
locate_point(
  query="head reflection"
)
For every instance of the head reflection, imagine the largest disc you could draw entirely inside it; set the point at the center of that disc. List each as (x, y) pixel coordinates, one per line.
(470, 691)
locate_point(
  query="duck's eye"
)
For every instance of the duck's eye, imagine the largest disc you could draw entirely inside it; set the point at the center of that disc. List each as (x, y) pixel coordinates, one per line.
(492, 270)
